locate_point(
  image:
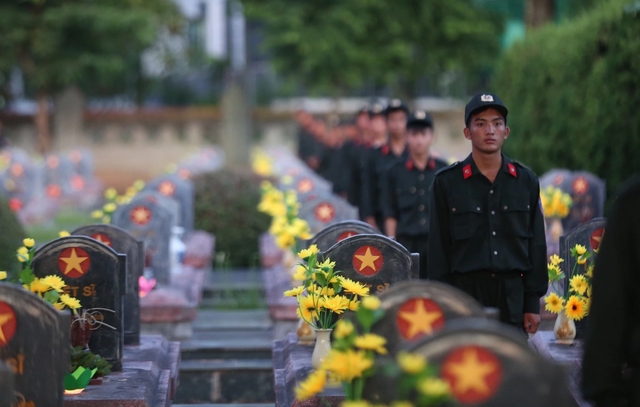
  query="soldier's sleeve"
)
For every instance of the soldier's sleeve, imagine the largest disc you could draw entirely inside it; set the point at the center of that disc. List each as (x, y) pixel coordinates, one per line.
(439, 254)
(536, 282)
(341, 170)
(387, 195)
(366, 205)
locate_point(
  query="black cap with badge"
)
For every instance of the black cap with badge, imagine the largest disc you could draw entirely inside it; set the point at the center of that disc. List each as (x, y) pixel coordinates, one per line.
(483, 101)
(396, 105)
(420, 119)
(376, 109)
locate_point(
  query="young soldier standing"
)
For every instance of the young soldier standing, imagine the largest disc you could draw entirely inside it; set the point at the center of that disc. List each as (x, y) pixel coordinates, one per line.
(406, 189)
(487, 229)
(380, 159)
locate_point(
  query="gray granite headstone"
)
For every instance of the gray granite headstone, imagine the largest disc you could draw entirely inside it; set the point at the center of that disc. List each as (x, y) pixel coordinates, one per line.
(335, 233)
(34, 344)
(58, 175)
(374, 260)
(7, 385)
(83, 164)
(150, 217)
(94, 274)
(323, 209)
(182, 190)
(123, 242)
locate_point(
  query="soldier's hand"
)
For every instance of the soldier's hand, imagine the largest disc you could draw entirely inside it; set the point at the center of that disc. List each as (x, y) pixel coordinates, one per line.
(531, 323)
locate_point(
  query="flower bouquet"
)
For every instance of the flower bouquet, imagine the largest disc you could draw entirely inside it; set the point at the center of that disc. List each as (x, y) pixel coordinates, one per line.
(555, 206)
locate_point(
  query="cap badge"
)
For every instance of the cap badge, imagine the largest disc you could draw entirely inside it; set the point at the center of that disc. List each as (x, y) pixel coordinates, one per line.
(395, 102)
(486, 98)
(420, 114)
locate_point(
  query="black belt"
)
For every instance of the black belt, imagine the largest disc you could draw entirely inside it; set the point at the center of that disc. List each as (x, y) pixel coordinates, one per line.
(488, 274)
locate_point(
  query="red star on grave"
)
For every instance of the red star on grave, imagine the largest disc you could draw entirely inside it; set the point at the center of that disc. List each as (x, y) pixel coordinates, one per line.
(17, 170)
(580, 185)
(418, 317)
(367, 260)
(54, 191)
(8, 323)
(15, 204)
(596, 239)
(346, 234)
(77, 182)
(102, 238)
(167, 188)
(558, 179)
(325, 212)
(53, 161)
(184, 173)
(474, 374)
(305, 185)
(140, 215)
(74, 262)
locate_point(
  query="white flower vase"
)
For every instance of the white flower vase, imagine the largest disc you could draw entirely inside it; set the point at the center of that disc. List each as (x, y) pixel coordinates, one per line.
(306, 335)
(322, 348)
(564, 329)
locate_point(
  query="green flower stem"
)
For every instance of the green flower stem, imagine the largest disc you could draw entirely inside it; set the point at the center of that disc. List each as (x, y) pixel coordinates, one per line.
(358, 387)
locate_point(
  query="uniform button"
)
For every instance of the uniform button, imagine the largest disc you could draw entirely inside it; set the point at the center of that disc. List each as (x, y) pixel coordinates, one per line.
(493, 274)
(421, 192)
(491, 191)
(420, 177)
(506, 207)
(495, 253)
(494, 233)
(421, 208)
(527, 206)
(493, 212)
(412, 190)
(478, 208)
(453, 209)
(423, 221)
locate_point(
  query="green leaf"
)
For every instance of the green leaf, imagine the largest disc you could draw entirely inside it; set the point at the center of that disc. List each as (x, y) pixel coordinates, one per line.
(321, 279)
(52, 296)
(26, 276)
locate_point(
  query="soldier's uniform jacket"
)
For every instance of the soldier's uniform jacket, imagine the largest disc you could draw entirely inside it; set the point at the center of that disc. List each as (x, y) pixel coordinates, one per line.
(377, 161)
(352, 156)
(477, 226)
(406, 195)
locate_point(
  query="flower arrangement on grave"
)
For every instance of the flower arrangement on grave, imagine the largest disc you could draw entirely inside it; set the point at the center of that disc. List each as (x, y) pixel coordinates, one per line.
(351, 362)
(113, 200)
(261, 163)
(283, 208)
(555, 206)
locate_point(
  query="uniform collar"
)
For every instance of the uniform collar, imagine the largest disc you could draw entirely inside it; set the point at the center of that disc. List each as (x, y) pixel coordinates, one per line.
(410, 165)
(470, 169)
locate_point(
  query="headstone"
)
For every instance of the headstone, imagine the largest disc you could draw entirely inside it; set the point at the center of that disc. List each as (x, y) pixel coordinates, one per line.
(83, 164)
(58, 175)
(305, 183)
(415, 309)
(182, 190)
(589, 235)
(7, 385)
(374, 260)
(94, 274)
(324, 209)
(150, 219)
(208, 159)
(34, 344)
(335, 233)
(123, 242)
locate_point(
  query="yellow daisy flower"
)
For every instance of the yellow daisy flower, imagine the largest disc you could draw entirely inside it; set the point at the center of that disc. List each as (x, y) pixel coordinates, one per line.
(305, 253)
(589, 272)
(64, 233)
(326, 264)
(109, 207)
(579, 284)
(372, 342)
(28, 243)
(23, 250)
(3, 275)
(294, 292)
(300, 274)
(581, 260)
(554, 303)
(353, 287)
(354, 305)
(575, 308)
(59, 306)
(347, 365)
(334, 304)
(312, 385)
(371, 303)
(308, 307)
(433, 387)
(411, 363)
(72, 303)
(54, 282)
(37, 286)
(343, 329)
(580, 249)
(555, 259)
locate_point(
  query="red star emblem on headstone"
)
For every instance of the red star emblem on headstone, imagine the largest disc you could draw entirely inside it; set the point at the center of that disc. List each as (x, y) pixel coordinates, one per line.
(167, 188)
(54, 191)
(102, 238)
(596, 239)
(474, 374)
(77, 182)
(305, 185)
(346, 234)
(74, 262)
(325, 212)
(558, 179)
(8, 323)
(184, 173)
(367, 260)
(140, 215)
(418, 317)
(17, 170)
(53, 161)
(15, 204)
(580, 185)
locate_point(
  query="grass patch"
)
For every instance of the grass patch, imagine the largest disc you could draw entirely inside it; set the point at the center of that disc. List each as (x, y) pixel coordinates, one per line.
(67, 219)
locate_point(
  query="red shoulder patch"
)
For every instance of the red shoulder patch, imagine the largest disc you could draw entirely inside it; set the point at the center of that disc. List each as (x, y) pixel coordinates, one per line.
(432, 164)
(409, 165)
(466, 171)
(512, 170)
(385, 149)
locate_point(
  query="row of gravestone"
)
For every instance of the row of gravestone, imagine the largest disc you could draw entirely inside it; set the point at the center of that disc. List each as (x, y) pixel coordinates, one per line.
(440, 322)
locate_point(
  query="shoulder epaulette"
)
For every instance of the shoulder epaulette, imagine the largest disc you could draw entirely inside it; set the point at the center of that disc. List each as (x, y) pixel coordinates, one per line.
(447, 168)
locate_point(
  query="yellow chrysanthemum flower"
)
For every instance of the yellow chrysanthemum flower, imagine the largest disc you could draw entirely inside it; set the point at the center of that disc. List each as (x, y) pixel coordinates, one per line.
(354, 305)
(37, 286)
(372, 342)
(371, 303)
(575, 308)
(334, 304)
(300, 274)
(580, 249)
(285, 240)
(401, 404)
(138, 184)
(308, 307)
(54, 282)
(294, 292)
(434, 387)
(328, 264)
(328, 291)
(343, 329)
(578, 284)
(411, 363)
(555, 259)
(347, 365)
(359, 403)
(589, 272)
(109, 207)
(97, 214)
(71, 302)
(59, 306)
(110, 193)
(353, 287)
(28, 243)
(312, 385)
(581, 260)
(23, 250)
(64, 233)
(554, 303)
(3, 275)
(306, 253)
(314, 249)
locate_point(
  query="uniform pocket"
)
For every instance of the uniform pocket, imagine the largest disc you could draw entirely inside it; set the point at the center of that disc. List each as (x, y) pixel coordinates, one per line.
(466, 218)
(516, 215)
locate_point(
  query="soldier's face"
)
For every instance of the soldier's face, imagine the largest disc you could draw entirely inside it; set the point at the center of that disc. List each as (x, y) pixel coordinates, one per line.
(362, 121)
(487, 131)
(378, 124)
(419, 140)
(397, 122)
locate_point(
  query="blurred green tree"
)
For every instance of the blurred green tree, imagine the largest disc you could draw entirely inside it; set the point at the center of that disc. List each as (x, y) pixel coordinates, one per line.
(337, 45)
(58, 43)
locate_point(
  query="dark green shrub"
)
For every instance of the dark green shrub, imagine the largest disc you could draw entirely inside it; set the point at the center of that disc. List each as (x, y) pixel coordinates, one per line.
(573, 95)
(11, 236)
(226, 206)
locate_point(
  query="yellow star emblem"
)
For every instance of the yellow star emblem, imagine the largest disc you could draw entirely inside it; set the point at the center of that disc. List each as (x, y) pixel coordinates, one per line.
(470, 374)
(420, 320)
(74, 262)
(4, 319)
(367, 260)
(167, 188)
(324, 212)
(141, 215)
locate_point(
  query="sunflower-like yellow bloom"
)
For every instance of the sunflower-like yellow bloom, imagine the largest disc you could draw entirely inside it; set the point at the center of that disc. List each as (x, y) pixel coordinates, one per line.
(28, 243)
(347, 365)
(37, 286)
(58, 305)
(575, 308)
(554, 303)
(72, 303)
(312, 385)
(23, 250)
(371, 303)
(354, 305)
(300, 274)
(372, 342)
(343, 329)
(306, 253)
(308, 307)
(294, 292)
(589, 272)
(334, 304)
(285, 240)
(434, 387)
(353, 287)
(326, 264)
(324, 291)
(581, 260)
(54, 282)
(97, 214)
(64, 233)
(109, 207)
(411, 363)
(555, 259)
(580, 249)
(579, 284)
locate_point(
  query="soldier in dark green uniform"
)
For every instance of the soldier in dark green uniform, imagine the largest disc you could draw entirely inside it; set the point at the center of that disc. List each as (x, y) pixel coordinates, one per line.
(380, 159)
(406, 189)
(487, 228)
(613, 341)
